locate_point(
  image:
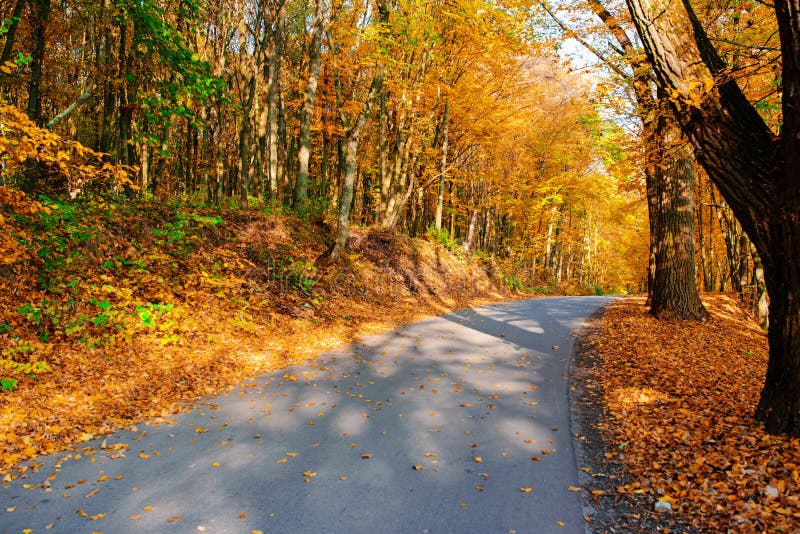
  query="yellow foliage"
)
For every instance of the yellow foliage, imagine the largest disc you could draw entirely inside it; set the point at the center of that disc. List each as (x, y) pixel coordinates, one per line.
(22, 140)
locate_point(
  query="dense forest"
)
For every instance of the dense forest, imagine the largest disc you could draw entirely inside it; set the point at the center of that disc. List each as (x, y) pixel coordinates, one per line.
(452, 121)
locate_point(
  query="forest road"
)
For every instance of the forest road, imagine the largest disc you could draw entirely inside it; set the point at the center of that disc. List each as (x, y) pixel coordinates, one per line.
(458, 424)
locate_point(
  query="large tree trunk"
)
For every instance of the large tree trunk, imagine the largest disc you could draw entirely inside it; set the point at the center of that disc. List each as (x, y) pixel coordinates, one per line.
(346, 195)
(757, 173)
(675, 295)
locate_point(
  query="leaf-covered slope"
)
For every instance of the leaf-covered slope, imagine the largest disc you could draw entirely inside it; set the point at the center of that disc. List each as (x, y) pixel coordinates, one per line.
(114, 313)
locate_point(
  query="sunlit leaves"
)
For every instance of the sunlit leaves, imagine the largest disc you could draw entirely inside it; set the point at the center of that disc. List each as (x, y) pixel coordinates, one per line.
(665, 378)
(21, 140)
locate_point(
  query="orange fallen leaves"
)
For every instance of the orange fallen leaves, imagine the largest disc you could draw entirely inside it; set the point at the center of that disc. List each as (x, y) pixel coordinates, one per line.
(681, 398)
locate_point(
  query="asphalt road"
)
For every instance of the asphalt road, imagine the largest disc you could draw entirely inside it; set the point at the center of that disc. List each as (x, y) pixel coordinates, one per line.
(457, 424)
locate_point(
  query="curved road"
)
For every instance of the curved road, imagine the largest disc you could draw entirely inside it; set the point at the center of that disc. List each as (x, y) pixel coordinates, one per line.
(456, 424)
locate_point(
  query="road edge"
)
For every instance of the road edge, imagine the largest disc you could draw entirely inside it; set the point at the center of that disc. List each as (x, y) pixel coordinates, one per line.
(609, 511)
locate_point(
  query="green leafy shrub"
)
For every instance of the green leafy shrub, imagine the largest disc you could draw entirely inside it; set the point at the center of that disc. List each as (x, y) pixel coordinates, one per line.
(440, 237)
(512, 283)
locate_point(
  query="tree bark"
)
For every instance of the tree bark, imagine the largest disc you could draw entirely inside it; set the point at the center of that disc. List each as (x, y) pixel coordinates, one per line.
(654, 115)
(443, 172)
(8, 46)
(41, 17)
(244, 142)
(757, 173)
(307, 111)
(352, 134)
(675, 295)
(273, 94)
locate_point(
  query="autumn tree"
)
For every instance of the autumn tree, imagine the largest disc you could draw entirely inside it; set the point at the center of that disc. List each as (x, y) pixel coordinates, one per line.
(757, 171)
(668, 170)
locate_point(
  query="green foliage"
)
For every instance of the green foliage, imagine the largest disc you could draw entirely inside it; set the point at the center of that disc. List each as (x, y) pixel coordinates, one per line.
(291, 274)
(191, 83)
(512, 283)
(314, 209)
(180, 234)
(6, 23)
(117, 263)
(29, 369)
(43, 315)
(300, 275)
(598, 290)
(440, 237)
(8, 384)
(150, 312)
(59, 237)
(96, 330)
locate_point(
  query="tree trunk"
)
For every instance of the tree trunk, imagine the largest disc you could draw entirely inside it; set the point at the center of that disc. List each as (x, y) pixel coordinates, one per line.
(244, 143)
(8, 47)
(307, 112)
(272, 103)
(757, 173)
(41, 16)
(346, 195)
(352, 130)
(473, 221)
(762, 304)
(443, 172)
(675, 295)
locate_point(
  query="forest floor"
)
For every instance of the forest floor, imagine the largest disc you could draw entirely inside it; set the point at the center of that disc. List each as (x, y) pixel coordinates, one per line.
(115, 314)
(667, 412)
